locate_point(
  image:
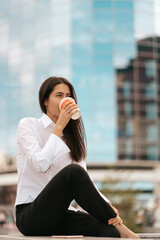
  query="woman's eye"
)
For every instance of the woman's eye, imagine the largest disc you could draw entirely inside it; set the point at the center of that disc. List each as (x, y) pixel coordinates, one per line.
(58, 95)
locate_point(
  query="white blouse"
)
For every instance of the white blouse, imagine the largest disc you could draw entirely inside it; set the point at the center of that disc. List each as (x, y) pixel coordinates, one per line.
(40, 156)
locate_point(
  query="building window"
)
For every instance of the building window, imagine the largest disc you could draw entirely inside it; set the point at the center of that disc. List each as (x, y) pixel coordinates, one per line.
(150, 90)
(129, 128)
(126, 88)
(128, 108)
(128, 147)
(150, 68)
(151, 111)
(152, 133)
(152, 153)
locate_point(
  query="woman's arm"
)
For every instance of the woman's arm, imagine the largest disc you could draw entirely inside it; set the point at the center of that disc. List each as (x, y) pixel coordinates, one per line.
(54, 148)
(29, 145)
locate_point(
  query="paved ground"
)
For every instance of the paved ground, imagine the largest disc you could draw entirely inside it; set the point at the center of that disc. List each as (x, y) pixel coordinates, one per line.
(5, 237)
(151, 236)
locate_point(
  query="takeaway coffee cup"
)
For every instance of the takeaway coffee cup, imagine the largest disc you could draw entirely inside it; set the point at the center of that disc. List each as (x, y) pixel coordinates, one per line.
(77, 114)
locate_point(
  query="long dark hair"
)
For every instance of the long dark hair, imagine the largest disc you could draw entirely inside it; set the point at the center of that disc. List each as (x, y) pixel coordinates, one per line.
(74, 132)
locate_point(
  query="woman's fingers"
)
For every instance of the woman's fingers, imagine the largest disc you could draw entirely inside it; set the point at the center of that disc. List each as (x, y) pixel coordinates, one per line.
(121, 222)
(70, 108)
(67, 111)
(115, 221)
(68, 104)
(66, 114)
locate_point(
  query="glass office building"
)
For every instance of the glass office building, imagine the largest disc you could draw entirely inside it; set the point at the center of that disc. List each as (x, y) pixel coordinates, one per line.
(108, 49)
(138, 91)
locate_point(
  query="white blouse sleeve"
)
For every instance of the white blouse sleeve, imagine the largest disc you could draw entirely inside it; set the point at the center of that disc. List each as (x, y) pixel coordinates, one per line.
(41, 158)
(83, 164)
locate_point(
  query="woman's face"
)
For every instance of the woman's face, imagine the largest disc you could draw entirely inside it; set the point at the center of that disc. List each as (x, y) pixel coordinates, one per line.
(52, 104)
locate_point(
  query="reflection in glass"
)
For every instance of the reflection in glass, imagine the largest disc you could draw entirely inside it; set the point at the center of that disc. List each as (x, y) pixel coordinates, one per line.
(152, 153)
(151, 111)
(150, 68)
(128, 108)
(128, 128)
(150, 90)
(129, 148)
(144, 25)
(108, 49)
(126, 88)
(152, 133)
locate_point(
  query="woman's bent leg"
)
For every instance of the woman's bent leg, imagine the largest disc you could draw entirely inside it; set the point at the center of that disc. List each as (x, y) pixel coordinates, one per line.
(80, 223)
(45, 213)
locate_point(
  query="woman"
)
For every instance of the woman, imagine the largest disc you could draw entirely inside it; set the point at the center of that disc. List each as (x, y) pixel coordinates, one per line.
(52, 172)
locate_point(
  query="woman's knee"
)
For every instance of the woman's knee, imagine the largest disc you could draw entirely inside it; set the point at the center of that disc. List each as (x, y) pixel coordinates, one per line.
(75, 170)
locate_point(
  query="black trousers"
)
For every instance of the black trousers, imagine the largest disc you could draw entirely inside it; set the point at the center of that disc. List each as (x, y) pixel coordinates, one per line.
(48, 214)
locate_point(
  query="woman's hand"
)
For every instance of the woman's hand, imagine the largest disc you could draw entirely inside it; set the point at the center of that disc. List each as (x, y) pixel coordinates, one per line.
(66, 113)
(64, 117)
(117, 219)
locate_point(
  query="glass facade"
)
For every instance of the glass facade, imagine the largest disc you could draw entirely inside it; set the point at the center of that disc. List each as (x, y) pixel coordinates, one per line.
(138, 99)
(108, 49)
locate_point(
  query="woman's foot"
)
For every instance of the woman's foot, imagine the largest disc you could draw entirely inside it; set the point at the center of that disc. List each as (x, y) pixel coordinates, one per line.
(125, 232)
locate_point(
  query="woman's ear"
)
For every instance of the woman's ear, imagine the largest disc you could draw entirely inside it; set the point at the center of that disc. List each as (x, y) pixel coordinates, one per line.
(45, 103)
